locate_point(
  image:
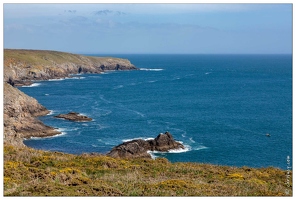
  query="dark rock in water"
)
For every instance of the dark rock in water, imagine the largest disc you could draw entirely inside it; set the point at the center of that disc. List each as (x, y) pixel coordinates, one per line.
(131, 149)
(138, 148)
(73, 116)
(164, 142)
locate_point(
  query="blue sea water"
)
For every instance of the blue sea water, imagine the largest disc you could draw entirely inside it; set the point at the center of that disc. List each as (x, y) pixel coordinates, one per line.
(220, 106)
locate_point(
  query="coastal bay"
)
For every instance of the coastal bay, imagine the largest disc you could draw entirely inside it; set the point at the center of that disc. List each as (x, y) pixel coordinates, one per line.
(109, 165)
(21, 67)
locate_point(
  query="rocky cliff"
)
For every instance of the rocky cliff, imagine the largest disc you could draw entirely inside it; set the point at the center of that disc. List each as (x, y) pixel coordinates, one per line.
(20, 112)
(21, 67)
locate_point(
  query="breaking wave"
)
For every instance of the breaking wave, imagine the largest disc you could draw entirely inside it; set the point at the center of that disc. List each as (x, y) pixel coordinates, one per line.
(58, 135)
(146, 69)
(33, 85)
(139, 138)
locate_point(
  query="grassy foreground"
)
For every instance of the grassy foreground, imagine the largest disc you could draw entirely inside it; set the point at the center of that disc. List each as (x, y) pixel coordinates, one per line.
(30, 172)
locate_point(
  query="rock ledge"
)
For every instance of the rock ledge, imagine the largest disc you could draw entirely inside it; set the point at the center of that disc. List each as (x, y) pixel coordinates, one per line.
(74, 116)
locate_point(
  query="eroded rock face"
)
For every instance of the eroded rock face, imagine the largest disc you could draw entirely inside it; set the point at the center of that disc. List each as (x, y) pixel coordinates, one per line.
(21, 67)
(74, 116)
(20, 111)
(138, 148)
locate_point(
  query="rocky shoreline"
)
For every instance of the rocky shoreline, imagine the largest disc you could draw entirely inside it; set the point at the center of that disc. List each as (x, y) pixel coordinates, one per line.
(20, 117)
(23, 67)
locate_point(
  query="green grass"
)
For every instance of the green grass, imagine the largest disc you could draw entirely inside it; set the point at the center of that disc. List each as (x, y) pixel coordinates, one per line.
(29, 172)
(46, 58)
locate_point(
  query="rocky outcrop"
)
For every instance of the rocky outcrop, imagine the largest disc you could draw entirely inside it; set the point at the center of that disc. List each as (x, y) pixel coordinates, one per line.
(139, 148)
(74, 116)
(20, 112)
(23, 66)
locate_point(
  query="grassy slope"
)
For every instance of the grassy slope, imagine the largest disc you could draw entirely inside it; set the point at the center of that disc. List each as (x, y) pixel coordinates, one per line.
(42, 57)
(29, 172)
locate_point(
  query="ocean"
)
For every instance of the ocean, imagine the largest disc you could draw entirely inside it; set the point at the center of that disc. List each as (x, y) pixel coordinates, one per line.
(221, 107)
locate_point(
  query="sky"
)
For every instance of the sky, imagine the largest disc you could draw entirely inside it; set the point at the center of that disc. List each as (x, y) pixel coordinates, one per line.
(150, 28)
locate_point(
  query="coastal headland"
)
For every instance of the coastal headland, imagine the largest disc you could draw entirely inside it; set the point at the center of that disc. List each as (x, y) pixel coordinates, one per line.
(22, 67)
(31, 172)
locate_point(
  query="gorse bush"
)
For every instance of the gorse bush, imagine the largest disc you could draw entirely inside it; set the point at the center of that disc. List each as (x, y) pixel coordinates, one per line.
(29, 172)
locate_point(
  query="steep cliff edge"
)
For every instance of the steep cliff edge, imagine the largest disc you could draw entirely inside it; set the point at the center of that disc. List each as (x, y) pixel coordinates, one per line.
(21, 67)
(20, 112)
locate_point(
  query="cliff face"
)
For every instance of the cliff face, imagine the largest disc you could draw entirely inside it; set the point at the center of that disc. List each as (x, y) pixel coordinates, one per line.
(20, 111)
(21, 67)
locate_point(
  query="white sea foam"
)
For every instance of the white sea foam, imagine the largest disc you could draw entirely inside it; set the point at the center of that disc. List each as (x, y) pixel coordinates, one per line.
(107, 71)
(105, 100)
(82, 114)
(100, 127)
(134, 111)
(153, 156)
(108, 112)
(58, 135)
(33, 85)
(46, 94)
(180, 150)
(51, 112)
(75, 77)
(191, 140)
(138, 113)
(56, 79)
(146, 69)
(142, 138)
(117, 87)
(200, 147)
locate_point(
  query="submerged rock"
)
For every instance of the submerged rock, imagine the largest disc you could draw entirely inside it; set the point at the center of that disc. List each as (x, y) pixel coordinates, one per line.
(138, 148)
(73, 116)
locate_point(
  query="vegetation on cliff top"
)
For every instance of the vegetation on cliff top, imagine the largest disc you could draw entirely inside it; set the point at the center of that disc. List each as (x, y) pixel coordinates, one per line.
(29, 172)
(44, 57)
(23, 66)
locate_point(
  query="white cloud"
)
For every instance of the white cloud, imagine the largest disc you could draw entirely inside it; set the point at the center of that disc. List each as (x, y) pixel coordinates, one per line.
(31, 10)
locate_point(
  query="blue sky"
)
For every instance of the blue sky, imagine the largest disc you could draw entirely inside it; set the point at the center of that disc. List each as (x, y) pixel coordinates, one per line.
(150, 28)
